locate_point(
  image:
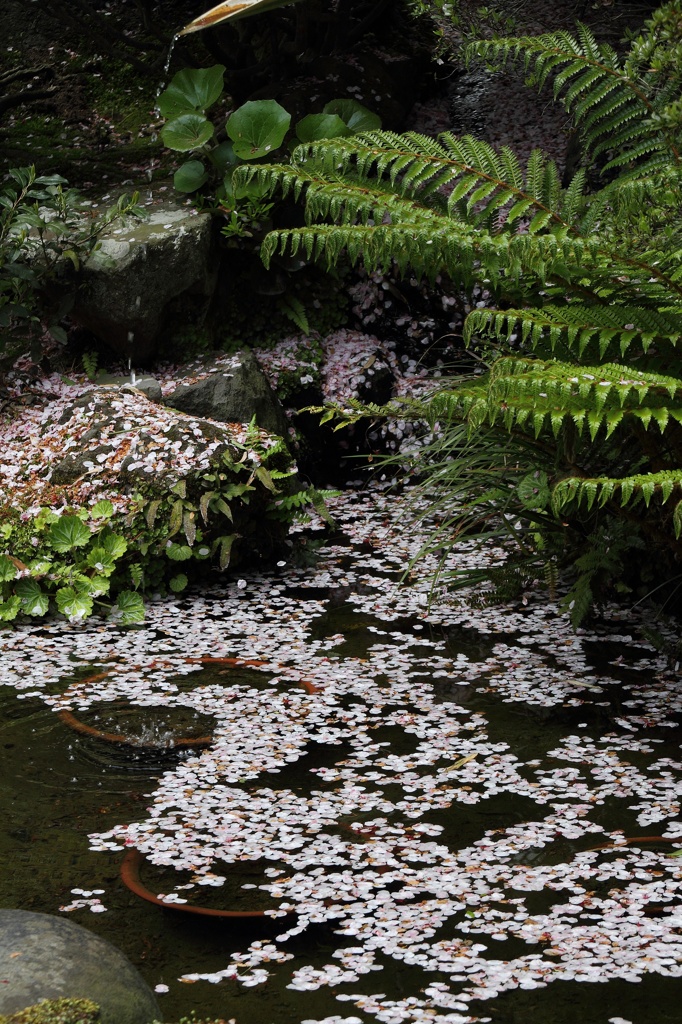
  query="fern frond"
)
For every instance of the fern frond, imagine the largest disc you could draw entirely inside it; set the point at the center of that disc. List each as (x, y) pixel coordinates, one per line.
(577, 327)
(614, 103)
(577, 491)
(534, 395)
(417, 167)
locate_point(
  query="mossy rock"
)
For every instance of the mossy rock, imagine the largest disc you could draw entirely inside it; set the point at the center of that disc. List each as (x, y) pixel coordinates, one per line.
(56, 1011)
(43, 957)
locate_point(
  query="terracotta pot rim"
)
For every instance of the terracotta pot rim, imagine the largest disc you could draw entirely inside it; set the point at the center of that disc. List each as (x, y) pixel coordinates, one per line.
(130, 876)
(183, 742)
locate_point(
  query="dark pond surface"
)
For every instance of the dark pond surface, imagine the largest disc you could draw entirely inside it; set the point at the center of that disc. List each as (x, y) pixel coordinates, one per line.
(524, 710)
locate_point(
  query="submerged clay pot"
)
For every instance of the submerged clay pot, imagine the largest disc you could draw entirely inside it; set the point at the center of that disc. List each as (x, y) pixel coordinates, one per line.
(45, 957)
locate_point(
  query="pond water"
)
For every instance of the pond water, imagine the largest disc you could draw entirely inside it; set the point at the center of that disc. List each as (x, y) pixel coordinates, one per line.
(447, 812)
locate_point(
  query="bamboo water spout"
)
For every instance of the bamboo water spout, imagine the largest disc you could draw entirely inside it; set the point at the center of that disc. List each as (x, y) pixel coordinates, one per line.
(231, 9)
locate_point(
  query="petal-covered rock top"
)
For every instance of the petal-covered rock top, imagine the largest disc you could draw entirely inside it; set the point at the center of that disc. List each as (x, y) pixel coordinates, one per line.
(102, 489)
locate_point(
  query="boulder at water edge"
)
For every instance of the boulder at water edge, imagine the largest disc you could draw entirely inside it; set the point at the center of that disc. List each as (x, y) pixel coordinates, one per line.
(44, 957)
(234, 390)
(146, 278)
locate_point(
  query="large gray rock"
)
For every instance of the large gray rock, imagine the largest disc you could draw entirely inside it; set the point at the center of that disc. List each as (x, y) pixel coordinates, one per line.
(44, 957)
(234, 392)
(162, 469)
(146, 278)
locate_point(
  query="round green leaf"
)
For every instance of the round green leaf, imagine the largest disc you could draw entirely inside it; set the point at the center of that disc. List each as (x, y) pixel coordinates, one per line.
(321, 126)
(75, 604)
(190, 131)
(179, 552)
(102, 510)
(113, 544)
(354, 115)
(258, 127)
(100, 559)
(8, 569)
(533, 490)
(10, 608)
(223, 157)
(190, 176)
(67, 533)
(33, 600)
(129, 608)
(192, 89)
(178, 583)
(98, 585)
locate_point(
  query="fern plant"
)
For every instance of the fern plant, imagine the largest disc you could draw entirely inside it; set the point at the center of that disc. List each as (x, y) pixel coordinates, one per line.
(584, 382)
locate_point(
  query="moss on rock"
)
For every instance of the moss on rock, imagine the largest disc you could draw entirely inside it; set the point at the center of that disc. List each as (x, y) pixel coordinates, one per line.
(56, 1011)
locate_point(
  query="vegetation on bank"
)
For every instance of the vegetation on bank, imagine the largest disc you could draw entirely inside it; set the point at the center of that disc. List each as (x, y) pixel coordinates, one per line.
(79, 559)
(77, 1011)
(565, 441)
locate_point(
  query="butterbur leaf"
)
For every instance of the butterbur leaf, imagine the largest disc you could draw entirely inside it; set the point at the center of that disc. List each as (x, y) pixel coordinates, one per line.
(66, 533)
(189, 131)
(192, 89)
(321, 126)
(223, 157)
(356, 117)
(129, 608)
(190, 176)
(178, 583)
(33, 600)
(179, 552)
(76, 605)
(258, 127)
(533, 491)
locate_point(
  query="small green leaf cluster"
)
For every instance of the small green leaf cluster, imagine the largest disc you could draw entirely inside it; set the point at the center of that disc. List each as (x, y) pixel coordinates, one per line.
(78, 553)
(43, 228)
(297, 505)
(97, 560)
(254, 130)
